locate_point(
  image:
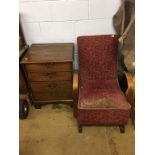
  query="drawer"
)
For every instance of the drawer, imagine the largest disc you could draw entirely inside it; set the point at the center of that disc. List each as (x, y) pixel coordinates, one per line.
(51, 96)
(60, 90)
(49, 67)
(53, 76)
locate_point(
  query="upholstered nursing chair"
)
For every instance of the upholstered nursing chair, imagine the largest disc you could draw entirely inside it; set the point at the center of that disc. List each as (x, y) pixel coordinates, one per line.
(98, 99)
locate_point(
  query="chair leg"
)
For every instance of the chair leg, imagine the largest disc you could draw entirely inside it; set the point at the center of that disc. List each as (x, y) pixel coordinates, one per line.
(80, 128)
(122, 128)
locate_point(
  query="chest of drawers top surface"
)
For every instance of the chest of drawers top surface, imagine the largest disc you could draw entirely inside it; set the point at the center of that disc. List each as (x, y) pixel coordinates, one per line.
(43, 53)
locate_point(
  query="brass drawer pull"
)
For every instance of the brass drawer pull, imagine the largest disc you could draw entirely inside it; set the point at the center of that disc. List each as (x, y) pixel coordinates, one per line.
(52, 86)
(50, 74)
(49, 64)
(26, 59)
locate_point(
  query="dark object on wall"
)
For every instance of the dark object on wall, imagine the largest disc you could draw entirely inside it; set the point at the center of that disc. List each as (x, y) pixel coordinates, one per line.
(100, 101)
(124, 23)
(22, 42)
(23, 91)
(48, 69)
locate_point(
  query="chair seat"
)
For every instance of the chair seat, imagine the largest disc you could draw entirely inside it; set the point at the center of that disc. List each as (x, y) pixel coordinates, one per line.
(102, 99)
(102, 107)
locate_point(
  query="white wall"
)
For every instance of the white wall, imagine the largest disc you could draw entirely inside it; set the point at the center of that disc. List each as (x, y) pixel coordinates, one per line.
(45, 21)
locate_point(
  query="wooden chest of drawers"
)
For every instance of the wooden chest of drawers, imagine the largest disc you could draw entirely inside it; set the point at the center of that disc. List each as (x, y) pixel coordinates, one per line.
(49, 72)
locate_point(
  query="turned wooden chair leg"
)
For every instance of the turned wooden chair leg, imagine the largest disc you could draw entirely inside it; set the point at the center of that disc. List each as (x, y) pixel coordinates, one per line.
(80, 128)
(122, 128)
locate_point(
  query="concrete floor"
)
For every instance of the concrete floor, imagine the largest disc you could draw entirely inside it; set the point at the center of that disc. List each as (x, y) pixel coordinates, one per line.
(52, 130)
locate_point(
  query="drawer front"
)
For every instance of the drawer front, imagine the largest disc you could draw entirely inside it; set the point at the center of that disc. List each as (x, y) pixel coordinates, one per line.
(44, 91)
(49, 67)
(53, 76)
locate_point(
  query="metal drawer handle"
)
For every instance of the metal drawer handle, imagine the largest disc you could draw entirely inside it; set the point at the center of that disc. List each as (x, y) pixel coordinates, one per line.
(51, 74)
(26, 59)
(51, 86)
(49, 64)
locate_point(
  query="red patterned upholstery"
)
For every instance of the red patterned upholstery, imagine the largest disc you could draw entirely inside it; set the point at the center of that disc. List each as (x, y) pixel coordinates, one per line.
(100, 98)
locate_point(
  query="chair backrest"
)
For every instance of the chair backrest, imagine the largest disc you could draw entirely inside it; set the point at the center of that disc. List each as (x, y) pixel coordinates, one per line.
(97, 60)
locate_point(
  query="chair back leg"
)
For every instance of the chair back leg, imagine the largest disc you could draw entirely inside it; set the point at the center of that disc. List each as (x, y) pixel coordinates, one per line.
(80, 128)
(122, 128)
